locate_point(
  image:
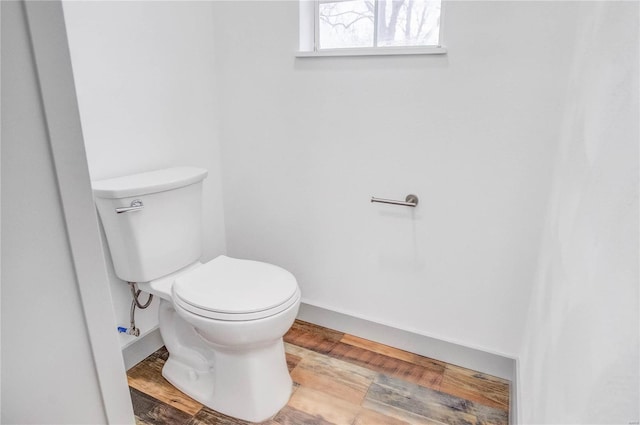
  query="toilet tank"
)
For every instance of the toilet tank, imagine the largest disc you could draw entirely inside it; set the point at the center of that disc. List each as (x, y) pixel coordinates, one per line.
(159, 227)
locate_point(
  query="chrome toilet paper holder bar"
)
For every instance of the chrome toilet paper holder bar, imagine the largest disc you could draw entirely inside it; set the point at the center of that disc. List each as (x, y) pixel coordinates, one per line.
(410, 201)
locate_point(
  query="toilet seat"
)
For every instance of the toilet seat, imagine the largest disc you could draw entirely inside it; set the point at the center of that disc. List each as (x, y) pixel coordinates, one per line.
(234, 290)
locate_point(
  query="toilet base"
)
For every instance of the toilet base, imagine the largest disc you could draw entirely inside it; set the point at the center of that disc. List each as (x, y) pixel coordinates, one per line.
(249, 384)
(236, 368)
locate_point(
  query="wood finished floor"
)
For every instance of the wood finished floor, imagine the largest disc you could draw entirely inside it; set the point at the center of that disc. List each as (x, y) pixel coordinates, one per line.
(341, 379)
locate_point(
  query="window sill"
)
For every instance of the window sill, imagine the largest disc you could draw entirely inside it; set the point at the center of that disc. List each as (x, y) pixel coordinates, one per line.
(374, 51)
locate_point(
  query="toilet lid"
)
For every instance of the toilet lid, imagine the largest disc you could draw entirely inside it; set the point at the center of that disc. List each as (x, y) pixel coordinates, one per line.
(227, 286)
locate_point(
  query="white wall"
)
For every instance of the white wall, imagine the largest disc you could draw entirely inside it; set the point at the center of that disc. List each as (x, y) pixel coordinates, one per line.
(307, 142)
(145, 80)
(49, 372)
(579, 359)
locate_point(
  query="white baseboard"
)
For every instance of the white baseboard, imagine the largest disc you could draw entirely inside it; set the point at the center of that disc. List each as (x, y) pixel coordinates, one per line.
(136, 351)
(471, 358)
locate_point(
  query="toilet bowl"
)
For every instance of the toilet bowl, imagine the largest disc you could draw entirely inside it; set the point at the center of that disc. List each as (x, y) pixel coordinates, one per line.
(232, 360)
(222, 321)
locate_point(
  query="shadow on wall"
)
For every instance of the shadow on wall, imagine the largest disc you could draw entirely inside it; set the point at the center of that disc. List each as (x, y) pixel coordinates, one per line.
(579, 361)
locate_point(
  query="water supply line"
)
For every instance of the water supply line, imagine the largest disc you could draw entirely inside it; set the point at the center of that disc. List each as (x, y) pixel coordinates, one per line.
(135, 293)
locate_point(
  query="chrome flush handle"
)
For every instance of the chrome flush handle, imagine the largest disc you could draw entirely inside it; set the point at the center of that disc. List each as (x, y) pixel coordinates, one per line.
(136, 205)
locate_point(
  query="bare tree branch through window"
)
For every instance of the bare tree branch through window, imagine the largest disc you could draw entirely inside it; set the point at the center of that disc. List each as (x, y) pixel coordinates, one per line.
(372, 23)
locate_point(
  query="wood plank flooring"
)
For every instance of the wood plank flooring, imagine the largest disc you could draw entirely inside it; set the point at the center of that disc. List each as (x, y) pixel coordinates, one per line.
(340, 379)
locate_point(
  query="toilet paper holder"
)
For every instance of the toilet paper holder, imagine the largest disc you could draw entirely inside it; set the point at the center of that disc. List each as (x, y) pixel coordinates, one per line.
(410, 201)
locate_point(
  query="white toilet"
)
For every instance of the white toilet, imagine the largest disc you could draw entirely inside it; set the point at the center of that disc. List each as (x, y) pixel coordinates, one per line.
(222, 321)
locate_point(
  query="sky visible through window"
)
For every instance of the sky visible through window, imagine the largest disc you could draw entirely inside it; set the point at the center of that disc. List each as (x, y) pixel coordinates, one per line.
(352, 23)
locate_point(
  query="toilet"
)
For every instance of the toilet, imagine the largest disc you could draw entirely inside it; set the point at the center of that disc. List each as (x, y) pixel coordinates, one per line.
(222, 321)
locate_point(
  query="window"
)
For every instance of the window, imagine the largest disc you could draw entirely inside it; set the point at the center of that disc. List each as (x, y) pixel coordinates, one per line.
(372, 26)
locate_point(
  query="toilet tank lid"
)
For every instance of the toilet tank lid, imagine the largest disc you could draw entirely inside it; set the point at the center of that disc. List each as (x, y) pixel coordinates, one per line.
(149, 182)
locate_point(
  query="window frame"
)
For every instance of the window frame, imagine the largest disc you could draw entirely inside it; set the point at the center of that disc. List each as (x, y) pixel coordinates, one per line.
(310, 33)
